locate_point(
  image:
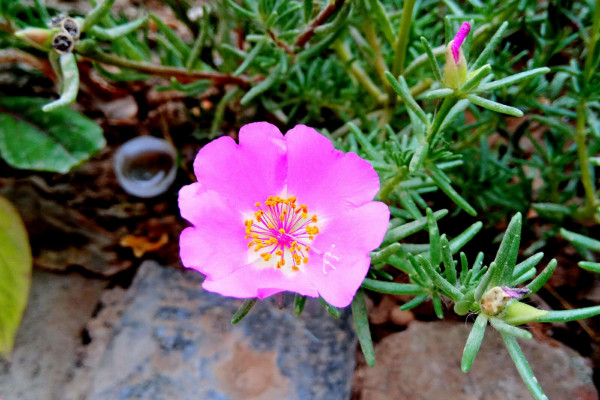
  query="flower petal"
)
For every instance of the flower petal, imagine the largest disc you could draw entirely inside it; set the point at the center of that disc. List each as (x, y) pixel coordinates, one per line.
(216, 244)
(324, 178)
(245, 173)
(345, 243)
(250, 281)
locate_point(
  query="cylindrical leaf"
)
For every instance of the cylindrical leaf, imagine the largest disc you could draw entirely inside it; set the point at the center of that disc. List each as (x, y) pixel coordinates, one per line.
(473, 342)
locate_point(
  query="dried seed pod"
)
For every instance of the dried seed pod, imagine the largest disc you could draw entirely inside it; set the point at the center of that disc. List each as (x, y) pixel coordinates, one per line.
(71, 26)
(494, 300)
(63, 43)
(56, 21)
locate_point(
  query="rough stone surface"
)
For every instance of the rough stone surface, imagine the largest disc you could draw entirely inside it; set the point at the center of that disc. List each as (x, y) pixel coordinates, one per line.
(174, 341)
(50, 334)
(423, 363)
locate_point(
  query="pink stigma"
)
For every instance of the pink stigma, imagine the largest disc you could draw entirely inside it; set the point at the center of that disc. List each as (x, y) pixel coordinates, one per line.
(462, 33)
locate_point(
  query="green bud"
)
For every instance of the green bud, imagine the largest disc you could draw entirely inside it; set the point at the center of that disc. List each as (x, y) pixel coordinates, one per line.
(39, 38)
(455, 73)
(518, 313)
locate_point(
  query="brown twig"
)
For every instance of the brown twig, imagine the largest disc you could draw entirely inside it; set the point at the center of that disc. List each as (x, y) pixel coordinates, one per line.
(182, 74)
(279, 43)
(320, 20)
(15, 56)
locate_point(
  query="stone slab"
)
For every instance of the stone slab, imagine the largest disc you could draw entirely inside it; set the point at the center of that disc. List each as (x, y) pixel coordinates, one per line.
(50, 335)
(174, 341)
(423, 363)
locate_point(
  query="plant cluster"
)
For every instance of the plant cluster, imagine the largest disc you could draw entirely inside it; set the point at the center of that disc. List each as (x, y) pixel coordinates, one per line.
(493, 104)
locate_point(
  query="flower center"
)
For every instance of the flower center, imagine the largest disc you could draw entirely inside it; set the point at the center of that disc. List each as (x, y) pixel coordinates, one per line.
(282, 229)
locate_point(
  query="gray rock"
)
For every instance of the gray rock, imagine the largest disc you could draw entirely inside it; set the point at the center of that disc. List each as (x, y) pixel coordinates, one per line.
(175, 341)
(423, 363)
(46, 346)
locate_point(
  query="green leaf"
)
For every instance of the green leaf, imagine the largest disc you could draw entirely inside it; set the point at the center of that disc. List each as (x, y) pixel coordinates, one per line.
(442, 284)
(590, 266)
(441, 180)
(569, 315)
(449, 266)
(97, 13)
(511, 80)
(437, 93)
(243, 310)
(473, 342)
(508, 329)
(392, 287)
(69, 82)
(172, 37)
(414, 302)
(437, 306)
(581, 240)
(418, 157)
(476, 77)
(385, 253)
(458, 242)
(15, 274)
(401, 88)
(361, 320)
(54, 141)
(507, 252)
(464, 303)
(492, 105)
(333, 311)
(542, 278)
(117, 31)
(526, 265)
(261, 86)
(435, 249)
(523, 367)
(490, 47)
(402, 231)
(437, 74)
(299, 302)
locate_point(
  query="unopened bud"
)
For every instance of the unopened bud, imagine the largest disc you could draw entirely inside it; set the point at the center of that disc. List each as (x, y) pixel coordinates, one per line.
(39, 38)
(455, 70)
(518, 313)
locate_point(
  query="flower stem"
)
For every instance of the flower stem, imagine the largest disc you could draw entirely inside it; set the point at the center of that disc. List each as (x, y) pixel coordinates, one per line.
(584, 164)
(591, 202)
(447, 105)
(402, 40)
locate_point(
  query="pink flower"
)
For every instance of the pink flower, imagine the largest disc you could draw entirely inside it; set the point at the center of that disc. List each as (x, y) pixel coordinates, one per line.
(460, 36)
(281, 213)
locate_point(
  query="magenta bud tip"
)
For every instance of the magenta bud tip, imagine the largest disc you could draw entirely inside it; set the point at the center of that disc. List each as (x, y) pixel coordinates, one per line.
(462, 33)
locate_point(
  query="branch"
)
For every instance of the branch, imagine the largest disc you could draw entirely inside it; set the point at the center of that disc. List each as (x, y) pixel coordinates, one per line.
(182, 73)
(320, 20)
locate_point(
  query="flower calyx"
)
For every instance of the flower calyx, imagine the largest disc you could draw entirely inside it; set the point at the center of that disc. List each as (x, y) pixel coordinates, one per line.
(455, 69)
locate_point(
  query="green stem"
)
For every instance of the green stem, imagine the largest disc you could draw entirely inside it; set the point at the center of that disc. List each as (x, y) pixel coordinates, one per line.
(591, 202)
(402, 40)
(371, 37)
(390, 185)
(447, 105)
(584, 164)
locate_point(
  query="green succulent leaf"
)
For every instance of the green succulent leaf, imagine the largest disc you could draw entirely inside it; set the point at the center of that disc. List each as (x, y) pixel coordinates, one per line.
(56, 141)
(15, 274)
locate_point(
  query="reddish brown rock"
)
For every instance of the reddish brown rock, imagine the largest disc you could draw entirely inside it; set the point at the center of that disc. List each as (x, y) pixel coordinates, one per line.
(423, 363)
